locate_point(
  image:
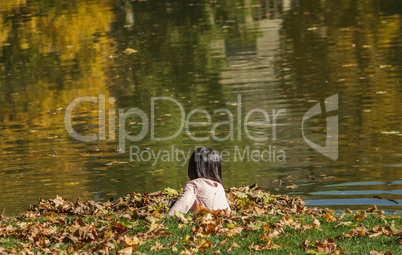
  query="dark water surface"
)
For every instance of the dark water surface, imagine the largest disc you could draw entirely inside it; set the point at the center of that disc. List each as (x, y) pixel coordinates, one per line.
(246, 58)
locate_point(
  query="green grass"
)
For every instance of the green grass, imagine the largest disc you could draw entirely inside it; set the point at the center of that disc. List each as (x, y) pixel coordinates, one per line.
(291, 239)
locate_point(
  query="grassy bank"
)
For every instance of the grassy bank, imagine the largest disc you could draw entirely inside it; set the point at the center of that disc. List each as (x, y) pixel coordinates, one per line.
(137, 223)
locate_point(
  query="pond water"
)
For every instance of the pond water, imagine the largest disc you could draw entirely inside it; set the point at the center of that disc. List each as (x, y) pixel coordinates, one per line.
(255, 68)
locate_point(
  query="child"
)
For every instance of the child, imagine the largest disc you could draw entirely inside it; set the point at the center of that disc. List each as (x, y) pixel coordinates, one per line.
(205, 188)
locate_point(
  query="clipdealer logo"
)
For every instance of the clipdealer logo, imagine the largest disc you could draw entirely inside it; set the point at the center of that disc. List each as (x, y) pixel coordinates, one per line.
(330, 149)
(331, 142)
(149, 123)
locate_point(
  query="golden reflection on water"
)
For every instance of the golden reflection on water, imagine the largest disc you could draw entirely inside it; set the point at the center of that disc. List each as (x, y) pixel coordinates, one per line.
(43, 49)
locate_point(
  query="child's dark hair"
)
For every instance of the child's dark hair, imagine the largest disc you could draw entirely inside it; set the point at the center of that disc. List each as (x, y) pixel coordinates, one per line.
(205, 163)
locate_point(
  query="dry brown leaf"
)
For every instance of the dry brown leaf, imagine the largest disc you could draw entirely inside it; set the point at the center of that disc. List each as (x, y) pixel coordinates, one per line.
(375, 234)
(157, 246)
(316, 224)
(234, 231)
(305, 244)
(252, 246)
(326, 247)
(235, 245)
(223, 242)
(275, 233)
(360, 215)
(186, 252)
(372, 209)
(131, 241)
(204, 244)
(126, 251)
(380, 253)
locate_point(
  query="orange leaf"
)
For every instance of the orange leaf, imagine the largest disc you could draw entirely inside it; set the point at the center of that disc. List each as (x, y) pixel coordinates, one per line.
(329, 217)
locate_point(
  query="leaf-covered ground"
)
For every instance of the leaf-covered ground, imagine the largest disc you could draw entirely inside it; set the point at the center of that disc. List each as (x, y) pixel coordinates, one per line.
(138, 224)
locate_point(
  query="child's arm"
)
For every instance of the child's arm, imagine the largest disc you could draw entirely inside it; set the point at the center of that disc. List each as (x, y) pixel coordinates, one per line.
(186, 201)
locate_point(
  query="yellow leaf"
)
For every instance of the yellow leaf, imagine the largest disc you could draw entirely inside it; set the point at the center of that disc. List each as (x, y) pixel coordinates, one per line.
(181, 217)
(129, 51)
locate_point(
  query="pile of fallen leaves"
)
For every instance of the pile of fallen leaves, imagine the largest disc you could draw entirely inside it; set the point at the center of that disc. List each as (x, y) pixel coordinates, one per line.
(60, 226)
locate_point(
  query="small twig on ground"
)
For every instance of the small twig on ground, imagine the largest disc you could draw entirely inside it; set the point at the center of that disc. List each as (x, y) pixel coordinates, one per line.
(55, 152)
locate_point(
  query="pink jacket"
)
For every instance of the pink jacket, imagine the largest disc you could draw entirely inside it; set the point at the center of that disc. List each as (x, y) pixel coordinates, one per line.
(201, 191)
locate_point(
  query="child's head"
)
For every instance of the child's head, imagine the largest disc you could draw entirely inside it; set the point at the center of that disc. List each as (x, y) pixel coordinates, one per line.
(205, 163)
